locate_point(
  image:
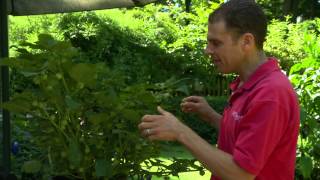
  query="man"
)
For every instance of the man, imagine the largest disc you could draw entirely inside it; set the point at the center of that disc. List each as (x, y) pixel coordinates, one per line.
(258, 130)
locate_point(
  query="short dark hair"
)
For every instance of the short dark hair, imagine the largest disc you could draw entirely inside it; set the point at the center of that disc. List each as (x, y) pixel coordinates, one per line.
(242, 16)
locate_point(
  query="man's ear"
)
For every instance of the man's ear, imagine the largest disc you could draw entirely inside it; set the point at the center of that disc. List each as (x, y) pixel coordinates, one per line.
(248, 41)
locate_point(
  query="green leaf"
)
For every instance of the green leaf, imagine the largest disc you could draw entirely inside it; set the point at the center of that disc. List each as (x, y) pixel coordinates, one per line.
(103, 97)
(46, 41)
(295, 68)
(29, 74)
(198, 86)
(103, 168)
(184, 89)
(84, 73)
(72, 104)
(201, 172)
(17, 106)
(65, 49)
(74, 153)
(306, 166)
(31, 45)
(96, 119)
(303, 114)
(11, 62)
(31, 167)
(146, 98)
(20, 103)
(131, 115)
(34, 63)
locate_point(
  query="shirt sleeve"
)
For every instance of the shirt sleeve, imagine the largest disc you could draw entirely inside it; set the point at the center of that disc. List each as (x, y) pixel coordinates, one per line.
(260, 130)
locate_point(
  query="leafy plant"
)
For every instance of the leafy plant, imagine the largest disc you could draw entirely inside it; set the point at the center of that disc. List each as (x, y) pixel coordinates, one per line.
(306, 78)
(284, 42)
(82, 116)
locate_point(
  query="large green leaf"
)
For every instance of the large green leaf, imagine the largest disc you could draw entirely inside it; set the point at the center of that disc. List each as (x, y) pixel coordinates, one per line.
(31, 167)
(306, 166)
(146, 97)
(20, 103)
(103, 168)
(75, 154)
(106, 99)
(33, 65)
(84, 73)
(46, 41)
(98, 118)
(184, 89)
(11, 62)
(131, 115)
(71, 103)
(18, 106)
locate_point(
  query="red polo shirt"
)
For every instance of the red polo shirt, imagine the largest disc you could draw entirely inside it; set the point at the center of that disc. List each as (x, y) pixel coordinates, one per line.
(260, 126)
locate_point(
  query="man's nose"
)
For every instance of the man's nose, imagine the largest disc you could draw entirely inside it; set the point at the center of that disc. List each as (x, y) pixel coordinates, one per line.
(208, 51)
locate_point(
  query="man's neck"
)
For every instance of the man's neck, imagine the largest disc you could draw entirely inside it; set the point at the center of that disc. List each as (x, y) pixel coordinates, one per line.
(251, 66)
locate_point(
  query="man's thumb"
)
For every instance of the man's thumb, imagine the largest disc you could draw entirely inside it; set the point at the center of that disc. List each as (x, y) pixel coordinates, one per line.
(162, 111)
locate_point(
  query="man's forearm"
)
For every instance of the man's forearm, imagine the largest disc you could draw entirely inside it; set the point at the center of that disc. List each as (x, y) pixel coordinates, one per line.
(213, 118)
(218, 162)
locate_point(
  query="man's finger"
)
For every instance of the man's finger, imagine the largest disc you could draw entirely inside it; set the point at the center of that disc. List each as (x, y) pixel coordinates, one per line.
(146, 125)
(192, 99)
(189, 105)
(150, 118)
(162, 111)
(184, 109)
(147, 132)
(153, 138)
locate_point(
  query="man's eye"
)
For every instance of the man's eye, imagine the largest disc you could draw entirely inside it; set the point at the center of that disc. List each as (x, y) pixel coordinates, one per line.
(214, 42)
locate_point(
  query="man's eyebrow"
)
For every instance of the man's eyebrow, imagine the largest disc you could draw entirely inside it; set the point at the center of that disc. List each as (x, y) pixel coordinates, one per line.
(213, 39)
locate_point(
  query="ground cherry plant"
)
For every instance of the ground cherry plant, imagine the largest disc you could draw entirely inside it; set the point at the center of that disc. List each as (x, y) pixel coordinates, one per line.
(82, 116)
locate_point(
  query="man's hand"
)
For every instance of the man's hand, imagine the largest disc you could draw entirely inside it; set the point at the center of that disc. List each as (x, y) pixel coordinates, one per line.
(161, 127)
(198, 105)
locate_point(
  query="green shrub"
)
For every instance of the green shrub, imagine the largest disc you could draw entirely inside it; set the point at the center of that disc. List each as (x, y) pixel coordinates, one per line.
(306, 78)
(83, 117)
(284, 42)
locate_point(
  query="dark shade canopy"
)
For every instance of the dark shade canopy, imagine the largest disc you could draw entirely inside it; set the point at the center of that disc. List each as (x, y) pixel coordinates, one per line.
(33, 7)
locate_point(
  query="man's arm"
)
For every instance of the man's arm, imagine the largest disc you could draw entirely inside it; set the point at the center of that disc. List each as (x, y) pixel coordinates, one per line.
(220, 163)
(167, 127)
(213, 118)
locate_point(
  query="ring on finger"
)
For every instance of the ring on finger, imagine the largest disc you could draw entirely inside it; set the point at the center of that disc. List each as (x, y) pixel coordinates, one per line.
(148, 131)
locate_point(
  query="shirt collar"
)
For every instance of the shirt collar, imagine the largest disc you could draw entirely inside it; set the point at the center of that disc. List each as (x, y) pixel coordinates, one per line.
(263, 70)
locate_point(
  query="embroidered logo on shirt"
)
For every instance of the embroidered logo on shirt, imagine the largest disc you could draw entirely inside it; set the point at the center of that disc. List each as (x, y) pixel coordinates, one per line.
(236, 116)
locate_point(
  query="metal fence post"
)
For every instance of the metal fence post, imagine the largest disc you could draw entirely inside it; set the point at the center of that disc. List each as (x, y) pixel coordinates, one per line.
(4, 52)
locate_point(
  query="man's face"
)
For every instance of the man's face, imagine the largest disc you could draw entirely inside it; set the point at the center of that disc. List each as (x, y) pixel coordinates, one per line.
(225, 52)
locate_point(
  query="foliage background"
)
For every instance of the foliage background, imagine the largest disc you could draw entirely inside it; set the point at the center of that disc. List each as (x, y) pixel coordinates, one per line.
(162, 43)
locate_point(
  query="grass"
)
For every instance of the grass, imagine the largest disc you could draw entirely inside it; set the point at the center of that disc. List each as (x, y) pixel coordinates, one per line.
(187, 176)
(179, 151)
